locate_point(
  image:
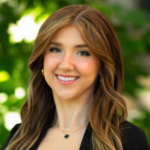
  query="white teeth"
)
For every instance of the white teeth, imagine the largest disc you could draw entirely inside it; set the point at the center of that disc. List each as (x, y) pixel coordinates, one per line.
(67, 79)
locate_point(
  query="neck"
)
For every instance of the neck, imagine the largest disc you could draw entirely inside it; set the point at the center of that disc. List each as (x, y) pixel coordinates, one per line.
(72, 111)
(75, 115)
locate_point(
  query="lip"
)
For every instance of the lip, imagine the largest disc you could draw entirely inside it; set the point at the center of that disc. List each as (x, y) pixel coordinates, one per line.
(65, 82)
(66, 75)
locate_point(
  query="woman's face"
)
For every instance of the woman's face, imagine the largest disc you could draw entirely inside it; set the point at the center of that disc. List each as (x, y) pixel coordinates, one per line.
(68, 54)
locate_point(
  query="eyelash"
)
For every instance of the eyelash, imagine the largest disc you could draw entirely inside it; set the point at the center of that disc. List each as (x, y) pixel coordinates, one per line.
(87, 53)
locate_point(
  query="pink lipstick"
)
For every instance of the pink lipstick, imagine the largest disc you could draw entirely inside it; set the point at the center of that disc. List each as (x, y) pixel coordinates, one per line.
(65, 82)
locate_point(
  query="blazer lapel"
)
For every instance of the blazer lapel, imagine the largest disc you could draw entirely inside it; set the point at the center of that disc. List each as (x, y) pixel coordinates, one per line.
(86, 143)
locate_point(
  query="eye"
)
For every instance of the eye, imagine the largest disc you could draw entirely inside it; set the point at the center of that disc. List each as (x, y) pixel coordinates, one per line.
(85, 52)
(54, 49)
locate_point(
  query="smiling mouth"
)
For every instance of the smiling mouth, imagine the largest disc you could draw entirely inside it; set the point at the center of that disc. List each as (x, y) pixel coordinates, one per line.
(66, 76)
(66, 82)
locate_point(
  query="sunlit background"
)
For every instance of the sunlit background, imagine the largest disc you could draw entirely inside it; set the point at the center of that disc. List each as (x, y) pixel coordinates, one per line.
(19, 25)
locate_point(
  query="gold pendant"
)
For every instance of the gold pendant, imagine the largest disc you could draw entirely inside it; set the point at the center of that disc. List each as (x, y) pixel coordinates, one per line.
(65, 129)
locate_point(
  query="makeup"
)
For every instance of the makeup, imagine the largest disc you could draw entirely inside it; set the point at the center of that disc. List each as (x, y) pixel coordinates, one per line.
(65, 82)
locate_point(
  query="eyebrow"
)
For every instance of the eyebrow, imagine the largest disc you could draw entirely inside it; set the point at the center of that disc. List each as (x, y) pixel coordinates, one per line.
(77, 46)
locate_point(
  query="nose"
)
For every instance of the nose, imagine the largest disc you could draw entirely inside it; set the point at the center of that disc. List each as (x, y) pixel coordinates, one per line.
(66, 63)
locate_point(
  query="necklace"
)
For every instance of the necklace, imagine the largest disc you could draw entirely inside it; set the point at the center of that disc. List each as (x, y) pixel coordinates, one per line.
(68, 135)
(66, 129)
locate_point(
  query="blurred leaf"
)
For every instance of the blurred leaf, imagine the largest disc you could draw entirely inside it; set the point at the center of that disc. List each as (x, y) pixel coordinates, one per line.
(140, 19)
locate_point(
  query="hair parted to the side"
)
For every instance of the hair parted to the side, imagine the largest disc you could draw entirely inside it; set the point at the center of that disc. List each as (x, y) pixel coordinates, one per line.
(104, 116)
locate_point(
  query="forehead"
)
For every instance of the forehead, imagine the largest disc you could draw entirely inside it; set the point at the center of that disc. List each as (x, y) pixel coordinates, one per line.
(69, 33)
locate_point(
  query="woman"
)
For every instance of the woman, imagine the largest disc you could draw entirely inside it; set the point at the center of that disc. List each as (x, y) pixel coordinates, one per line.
(74, 100)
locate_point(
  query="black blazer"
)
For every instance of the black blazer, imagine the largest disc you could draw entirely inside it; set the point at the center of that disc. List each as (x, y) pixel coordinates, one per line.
(134, 138)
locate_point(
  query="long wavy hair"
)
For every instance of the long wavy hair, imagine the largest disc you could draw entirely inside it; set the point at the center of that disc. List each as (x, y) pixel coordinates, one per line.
(108, 109)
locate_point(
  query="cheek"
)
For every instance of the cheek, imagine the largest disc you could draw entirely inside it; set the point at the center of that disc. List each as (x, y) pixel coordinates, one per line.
(50, 62)
(88, 67)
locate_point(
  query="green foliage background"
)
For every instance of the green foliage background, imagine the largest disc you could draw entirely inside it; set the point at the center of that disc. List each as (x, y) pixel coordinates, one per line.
(128, 24)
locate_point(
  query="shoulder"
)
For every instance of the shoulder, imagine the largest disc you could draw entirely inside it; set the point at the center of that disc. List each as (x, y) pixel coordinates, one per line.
(12, 132)
(15, 128)
(133, 137)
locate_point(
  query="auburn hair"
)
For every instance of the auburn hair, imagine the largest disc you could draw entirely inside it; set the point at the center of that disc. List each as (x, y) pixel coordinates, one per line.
(108, 109)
